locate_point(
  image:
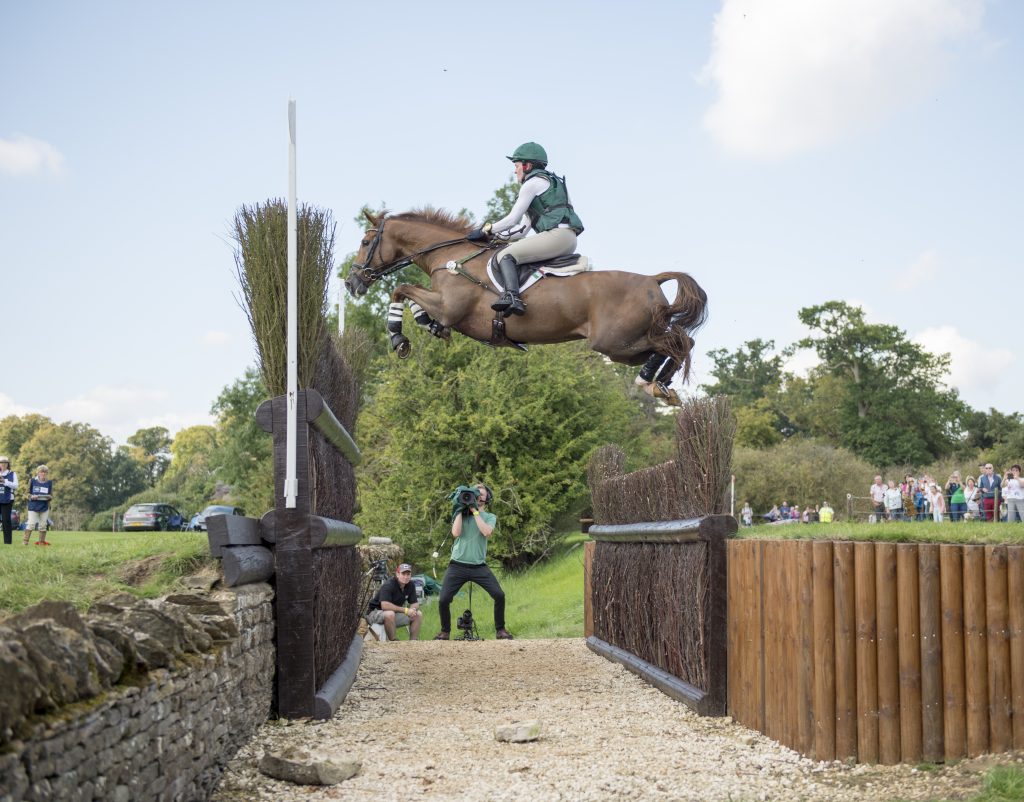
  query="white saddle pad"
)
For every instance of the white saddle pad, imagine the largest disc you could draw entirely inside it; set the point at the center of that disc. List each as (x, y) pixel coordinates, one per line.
(581, 266)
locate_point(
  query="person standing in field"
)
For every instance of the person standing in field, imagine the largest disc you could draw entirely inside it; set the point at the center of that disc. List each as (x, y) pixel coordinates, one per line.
(40, 492)
(957, 500)
(877, 493)
(8, 484)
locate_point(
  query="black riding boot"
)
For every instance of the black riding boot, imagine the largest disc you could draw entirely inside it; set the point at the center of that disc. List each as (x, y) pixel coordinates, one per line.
(510, 302)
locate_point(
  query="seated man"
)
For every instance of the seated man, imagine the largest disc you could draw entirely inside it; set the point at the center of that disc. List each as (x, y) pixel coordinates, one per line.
(395, 604)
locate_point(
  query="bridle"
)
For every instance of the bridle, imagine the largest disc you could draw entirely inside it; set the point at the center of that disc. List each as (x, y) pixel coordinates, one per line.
(371, 274)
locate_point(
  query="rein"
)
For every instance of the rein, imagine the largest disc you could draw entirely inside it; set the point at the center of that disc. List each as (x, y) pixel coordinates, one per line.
(377, 273)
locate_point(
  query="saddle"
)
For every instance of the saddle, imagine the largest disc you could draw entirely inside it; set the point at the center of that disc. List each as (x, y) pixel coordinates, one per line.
(532, 272)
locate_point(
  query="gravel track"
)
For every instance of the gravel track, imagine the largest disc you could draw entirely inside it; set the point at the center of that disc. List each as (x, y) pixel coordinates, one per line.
(421, 718)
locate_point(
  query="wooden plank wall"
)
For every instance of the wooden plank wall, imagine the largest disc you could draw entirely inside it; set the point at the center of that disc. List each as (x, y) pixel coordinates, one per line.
(878, 652)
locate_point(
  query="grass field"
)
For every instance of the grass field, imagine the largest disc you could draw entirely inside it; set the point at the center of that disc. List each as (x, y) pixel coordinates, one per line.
(544, 602)
(894, 531)
(83, 566)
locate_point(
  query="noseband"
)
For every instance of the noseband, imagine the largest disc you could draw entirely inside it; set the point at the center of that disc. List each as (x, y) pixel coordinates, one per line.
(371, 274)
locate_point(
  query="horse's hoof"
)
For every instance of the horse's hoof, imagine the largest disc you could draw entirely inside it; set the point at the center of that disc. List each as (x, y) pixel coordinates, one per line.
(401, 345)
(667, 394)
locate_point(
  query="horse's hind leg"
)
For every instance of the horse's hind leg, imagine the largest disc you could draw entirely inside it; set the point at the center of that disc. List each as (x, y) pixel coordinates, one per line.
(655, 375)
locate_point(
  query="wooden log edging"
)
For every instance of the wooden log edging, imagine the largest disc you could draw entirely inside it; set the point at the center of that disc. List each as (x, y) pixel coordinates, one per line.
(678, 689)
(337, 686)
(245, 564)
(322, 531)
(713, 530)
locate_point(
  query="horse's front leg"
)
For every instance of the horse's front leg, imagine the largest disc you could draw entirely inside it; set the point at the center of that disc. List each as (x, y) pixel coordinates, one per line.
(399, 342)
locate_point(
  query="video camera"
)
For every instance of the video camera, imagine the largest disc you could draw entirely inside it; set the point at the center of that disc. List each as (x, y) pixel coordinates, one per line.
(464, 499)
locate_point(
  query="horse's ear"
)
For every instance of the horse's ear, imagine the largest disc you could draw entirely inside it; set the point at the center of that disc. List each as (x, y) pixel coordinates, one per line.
(373, 221)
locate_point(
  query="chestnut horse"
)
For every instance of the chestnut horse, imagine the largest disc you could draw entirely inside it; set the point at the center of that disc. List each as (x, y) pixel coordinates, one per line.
(622, 315)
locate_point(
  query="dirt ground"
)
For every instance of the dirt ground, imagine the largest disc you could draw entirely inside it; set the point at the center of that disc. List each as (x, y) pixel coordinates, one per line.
(421, 718)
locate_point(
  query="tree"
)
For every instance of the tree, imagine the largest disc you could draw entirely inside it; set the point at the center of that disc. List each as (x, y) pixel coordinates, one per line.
(16, 431)
(81, 462)
(895, 409)
(746, 375)
(152, 449)
(460, 412)
(243, 457)
(191, 475)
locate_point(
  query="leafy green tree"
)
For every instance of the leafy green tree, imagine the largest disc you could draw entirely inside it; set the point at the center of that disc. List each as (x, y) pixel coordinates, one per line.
(461, 412)
(80, 461)
(244, 452)
(756, 425)
(191, 474)
(15, 431)
(747, 375)
(124, 477)
(985, 430)
(502, 201)
(152, 449)
(895, 409)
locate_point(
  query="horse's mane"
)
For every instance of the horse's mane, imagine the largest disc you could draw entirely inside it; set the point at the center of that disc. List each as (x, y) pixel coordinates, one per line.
(437, 217)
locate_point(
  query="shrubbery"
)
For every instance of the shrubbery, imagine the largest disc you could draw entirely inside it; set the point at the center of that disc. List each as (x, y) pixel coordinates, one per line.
(800, 471)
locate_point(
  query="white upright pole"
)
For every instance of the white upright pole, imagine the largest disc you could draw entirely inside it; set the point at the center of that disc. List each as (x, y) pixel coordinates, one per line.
(291, 482)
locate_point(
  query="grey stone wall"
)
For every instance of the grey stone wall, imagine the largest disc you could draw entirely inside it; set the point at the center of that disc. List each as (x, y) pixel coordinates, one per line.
(195, 682)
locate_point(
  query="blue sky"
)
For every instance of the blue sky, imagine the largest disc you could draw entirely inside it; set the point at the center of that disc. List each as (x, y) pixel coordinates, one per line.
(784, 152)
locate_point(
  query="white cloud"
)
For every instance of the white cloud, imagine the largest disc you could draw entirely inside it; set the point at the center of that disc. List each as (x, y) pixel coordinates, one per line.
(8, 407)
(975, 369)
(795, 74)
(924, 268)
(24, 155)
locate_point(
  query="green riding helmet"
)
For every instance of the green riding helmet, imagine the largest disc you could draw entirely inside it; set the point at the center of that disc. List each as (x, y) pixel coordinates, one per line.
(529, 152)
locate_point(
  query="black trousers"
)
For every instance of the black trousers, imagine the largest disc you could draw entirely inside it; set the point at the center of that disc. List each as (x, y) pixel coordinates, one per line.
(457, 575)
(5, 520)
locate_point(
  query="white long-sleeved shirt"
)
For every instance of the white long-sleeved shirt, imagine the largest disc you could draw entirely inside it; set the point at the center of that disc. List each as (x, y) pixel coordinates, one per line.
(9, 479)
(514, 219)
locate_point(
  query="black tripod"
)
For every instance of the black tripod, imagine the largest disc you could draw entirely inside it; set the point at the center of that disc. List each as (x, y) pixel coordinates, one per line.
(466, 622)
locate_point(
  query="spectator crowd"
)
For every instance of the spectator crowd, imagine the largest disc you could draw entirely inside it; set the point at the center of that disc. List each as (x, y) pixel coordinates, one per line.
(989, 497)
(784, 513)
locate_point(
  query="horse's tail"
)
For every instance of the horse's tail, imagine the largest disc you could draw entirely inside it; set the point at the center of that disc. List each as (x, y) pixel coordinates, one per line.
(673, 325)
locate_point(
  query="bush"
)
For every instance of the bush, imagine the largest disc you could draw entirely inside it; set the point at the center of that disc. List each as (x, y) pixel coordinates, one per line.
(804, 472)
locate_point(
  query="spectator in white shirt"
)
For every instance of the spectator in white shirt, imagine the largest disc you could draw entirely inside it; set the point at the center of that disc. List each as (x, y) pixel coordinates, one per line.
(893, 502)
(877, 493)
(1014, 495)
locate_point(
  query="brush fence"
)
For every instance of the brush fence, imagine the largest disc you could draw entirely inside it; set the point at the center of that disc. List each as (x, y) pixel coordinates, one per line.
(655, 602)
(878, 652)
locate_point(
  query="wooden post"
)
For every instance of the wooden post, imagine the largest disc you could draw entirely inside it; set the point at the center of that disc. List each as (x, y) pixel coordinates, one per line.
(867, 653)
(888, 654)
(999, 683)
(824, 653)
(846, 651)
(953, 680)
(779, 643)
(976, 643)
(932, 741)
(806, 668)
(910, 652)
(746, 645)
(1015, 597)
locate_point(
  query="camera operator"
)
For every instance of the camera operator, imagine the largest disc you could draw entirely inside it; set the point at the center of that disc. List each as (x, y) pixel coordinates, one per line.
(395, 604)
(472, 525)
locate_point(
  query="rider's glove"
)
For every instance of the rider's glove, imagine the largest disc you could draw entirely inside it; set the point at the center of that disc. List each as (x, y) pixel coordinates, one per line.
(481, 234)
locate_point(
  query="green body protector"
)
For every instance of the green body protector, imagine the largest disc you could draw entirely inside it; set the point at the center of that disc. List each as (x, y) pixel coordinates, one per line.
(552, 208)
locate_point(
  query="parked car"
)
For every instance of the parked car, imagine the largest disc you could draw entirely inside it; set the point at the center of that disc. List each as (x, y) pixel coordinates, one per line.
(156, 517)
(199, 521)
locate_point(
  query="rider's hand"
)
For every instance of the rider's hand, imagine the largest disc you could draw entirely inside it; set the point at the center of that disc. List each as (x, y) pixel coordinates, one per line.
(481, 234)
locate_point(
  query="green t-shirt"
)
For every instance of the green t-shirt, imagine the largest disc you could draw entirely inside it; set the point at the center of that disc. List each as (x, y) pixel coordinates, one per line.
(471, 547)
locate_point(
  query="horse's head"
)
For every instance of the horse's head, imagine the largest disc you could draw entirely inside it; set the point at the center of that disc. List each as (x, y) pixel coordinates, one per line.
(361, 275)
